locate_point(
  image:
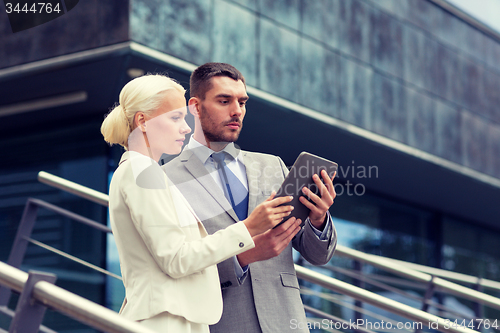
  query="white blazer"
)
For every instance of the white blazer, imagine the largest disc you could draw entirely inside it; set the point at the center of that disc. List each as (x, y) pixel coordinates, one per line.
(167, 258)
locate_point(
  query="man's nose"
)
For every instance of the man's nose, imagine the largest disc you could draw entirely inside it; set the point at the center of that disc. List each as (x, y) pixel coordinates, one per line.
(236, 109)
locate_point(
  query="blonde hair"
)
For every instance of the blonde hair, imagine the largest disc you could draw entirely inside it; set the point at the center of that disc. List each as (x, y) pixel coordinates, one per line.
(145, 94)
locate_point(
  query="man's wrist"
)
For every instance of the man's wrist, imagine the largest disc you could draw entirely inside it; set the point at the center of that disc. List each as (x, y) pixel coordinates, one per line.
(319, 223)
(239, 270)
(241, 261)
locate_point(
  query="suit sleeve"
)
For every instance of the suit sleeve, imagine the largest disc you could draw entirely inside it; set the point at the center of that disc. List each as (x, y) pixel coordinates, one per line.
(315, 250)
(154, 215)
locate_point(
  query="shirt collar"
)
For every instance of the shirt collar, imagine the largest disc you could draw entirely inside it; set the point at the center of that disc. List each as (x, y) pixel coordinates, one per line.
(203, 152)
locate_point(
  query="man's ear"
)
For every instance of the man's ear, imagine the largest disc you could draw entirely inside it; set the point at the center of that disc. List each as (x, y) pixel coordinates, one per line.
(194, 106)
(140, 121)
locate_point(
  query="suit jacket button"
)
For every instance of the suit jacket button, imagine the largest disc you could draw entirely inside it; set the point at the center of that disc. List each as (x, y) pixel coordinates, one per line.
(241, 244)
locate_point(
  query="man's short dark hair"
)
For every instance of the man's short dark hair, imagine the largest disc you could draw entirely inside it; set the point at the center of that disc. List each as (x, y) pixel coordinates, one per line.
(200, 81)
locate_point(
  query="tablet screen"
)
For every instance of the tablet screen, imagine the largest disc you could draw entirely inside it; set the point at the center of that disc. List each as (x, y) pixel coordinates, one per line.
(300, 175)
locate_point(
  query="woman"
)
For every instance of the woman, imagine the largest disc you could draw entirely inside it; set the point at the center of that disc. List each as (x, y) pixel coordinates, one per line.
(167, 259)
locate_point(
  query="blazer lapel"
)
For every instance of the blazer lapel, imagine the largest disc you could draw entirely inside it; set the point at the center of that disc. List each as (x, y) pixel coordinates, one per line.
(200, 173)
(253, 182)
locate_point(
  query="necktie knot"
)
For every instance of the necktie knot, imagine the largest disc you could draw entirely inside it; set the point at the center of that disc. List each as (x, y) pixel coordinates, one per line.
(219, 158)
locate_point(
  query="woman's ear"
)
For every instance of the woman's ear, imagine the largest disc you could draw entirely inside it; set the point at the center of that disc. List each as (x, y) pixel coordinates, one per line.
(193, 107)
(140, 121)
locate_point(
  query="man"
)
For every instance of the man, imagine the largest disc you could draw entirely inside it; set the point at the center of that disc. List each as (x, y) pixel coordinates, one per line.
(259, 287)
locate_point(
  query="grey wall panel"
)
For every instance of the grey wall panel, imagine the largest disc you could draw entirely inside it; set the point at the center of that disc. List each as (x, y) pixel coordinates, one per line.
(476, 154)
(444, 74)
(186, 29)
(235, 38)
(355, 92)
(279, 61)
(448, 132)
(323, 21)
(421, 121)
(330, 92)
(286, 12)
(388, 110)
(386, 43)
(354, 31)
(319, 83)
(415, 45)
(490, 95)
(142, 11)
(494, 143)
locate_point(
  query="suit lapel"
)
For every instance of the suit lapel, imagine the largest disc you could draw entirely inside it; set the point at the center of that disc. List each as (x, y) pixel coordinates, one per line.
(200, 173)
(253, 181)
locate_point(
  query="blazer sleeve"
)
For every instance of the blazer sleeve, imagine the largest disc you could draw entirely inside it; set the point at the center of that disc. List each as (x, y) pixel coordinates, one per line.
(154, 215)
(311, 247)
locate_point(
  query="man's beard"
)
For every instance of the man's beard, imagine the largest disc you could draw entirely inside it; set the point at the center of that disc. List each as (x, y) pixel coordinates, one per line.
(210, 128)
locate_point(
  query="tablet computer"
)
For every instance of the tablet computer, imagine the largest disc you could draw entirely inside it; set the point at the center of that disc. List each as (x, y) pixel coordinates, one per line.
(300, 175)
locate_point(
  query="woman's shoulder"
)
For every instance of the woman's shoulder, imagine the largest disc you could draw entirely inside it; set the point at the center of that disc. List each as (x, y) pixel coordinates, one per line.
(140, 170)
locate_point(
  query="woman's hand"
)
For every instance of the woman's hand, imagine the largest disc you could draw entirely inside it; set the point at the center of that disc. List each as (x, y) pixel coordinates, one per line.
(268, 214)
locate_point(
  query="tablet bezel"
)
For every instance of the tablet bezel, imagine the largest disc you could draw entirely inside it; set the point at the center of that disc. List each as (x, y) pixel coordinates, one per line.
(300, 175)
